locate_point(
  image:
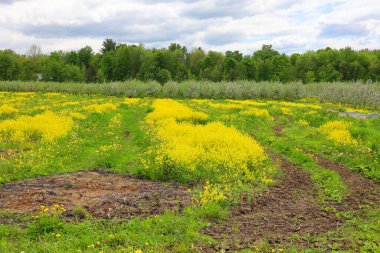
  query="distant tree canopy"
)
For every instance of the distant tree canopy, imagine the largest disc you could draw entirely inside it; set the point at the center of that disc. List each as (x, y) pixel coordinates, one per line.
(120, 62)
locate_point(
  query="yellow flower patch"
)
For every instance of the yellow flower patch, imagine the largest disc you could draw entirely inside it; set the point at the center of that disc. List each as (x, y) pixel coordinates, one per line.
(256, 112)
(7, 109)
(286, 111)
(303, 122)
(71, 103)
(77, 115)
(129, 101)
(224, 106)
(247, 102)
(165, 109)
(213, 149)
(47, 126)
(337, 131)
(99, 108)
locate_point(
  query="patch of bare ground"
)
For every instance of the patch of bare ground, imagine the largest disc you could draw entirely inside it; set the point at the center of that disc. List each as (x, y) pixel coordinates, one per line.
(6, 154)
(285, 209)
(279, 128)
(362, 191)
(103, 194)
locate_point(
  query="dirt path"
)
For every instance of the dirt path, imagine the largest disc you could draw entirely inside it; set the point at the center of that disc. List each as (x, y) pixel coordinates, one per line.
(362, 191)
(287, 208)
(279, 128)
(290, 208)
(103, 194)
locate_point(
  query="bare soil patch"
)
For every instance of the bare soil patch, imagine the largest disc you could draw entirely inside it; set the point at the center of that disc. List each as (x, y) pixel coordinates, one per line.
(127, 134)
(279, 128)
(103, 194)
(6, 154)
(285, 209)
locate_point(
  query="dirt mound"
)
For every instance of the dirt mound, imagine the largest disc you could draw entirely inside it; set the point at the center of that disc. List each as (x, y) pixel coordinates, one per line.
(287, 208)
(103, 194)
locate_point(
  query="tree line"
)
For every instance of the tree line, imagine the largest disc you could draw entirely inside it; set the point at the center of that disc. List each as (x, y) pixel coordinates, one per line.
(120, 62)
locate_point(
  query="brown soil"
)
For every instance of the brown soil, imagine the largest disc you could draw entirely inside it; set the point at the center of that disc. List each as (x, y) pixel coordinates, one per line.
(287, 208)
(6, 154)
(279, 128)
(362, 191)
(103, 194)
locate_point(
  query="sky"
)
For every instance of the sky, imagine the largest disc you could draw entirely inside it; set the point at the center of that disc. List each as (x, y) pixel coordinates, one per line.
(219, 25)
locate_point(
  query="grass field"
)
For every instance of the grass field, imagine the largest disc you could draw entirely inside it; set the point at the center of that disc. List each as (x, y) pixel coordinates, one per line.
(97, 173)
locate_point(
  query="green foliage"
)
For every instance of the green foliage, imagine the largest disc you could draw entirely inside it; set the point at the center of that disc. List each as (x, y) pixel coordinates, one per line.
(358, 94)
(163, 76)
(161, 233)
(120, 62)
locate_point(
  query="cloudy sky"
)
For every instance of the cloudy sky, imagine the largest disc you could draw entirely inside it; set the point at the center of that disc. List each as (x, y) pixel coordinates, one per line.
(289, 25)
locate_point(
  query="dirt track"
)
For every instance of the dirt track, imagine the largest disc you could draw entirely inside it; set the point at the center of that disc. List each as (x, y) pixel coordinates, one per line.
(362, 191)
(290, 208)
(103, 194)
(287, 208)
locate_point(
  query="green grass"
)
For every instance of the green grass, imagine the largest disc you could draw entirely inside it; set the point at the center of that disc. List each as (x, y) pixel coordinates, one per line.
(161, 233)
(80, 148)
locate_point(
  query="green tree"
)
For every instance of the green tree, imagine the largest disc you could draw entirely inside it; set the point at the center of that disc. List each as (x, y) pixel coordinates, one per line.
(10, 65)
(149, 67)
(194, 61)
(108, 45)
(163, 76)
(212, 67)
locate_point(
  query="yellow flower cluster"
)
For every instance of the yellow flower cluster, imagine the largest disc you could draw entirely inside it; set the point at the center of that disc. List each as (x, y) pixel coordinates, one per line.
(99, 108)
(47, 126)
(55, 209)
(286, 111)
(71, 103)
(247, 102)
(303, 122)
(316, 107)
(7, 109)
(129, 101)
(300, 105)
(168, 109)
(224, 106)
(256, 112)
(106, 150)
(357, 110)
(211, 193)
(13, 100)
(311, 112)
(52, 94)
(115, 122)
(201, 101)
(77, 115)
(212, 149)
(337, 131)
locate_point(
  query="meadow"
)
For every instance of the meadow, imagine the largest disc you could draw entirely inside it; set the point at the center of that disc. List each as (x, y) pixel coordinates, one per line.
(187, 168)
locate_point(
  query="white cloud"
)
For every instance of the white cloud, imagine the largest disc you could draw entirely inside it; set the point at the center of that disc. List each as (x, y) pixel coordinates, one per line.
(290, 25)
